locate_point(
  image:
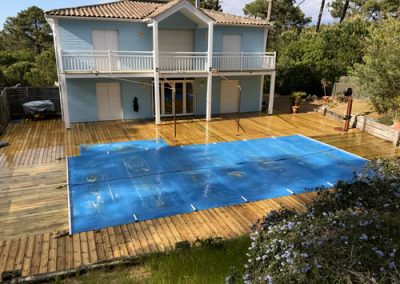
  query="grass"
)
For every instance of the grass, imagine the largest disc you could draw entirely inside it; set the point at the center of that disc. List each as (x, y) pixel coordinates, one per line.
(208, 262)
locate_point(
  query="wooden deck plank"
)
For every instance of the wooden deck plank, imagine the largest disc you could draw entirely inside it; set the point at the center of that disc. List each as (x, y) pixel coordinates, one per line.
(12, 254)
(5, 254)
(33, 198)
(19, 260)
(52, 266)
(100, 250)
(44, 256)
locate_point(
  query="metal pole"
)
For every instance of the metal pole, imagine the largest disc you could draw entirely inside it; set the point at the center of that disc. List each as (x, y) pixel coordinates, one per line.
(238, 113)
(174, 96)
(348, 114)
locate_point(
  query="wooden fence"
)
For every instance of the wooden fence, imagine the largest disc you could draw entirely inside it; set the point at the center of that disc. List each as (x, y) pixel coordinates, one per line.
(369, 125)
(12, 99)
(17, 96)
(4, 112)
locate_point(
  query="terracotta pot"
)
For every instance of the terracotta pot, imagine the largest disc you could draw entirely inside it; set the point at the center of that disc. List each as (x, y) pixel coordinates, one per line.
(295, 109)
(396, 125)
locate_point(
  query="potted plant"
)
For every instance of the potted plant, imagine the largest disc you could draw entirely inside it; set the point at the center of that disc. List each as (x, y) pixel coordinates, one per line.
(297, 100)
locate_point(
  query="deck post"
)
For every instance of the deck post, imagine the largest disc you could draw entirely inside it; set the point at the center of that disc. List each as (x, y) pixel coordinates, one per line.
(62, 81)
(209, 69)
(271, 93)
(261, 93)
(156, 70)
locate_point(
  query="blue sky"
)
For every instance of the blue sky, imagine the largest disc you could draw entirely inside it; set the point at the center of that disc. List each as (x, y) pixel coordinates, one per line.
(310, 7)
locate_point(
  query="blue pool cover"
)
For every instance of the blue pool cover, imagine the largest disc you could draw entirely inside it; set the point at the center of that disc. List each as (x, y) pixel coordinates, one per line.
(120, 183)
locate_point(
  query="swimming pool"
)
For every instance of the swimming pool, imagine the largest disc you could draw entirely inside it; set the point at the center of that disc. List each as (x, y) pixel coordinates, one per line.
(117, 184)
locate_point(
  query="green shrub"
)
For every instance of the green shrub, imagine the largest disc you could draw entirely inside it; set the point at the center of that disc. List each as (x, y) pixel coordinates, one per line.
(350, 234)
(386, 120)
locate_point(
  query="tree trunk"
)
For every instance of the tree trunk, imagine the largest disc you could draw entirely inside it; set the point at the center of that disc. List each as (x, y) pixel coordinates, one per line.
(269, 10)
(321, 11)
(344, 12)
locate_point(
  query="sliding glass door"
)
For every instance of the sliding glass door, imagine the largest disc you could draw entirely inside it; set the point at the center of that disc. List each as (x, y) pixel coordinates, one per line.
(177, 96)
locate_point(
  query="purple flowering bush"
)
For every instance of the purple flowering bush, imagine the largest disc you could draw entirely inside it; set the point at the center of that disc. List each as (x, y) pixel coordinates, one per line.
(349, 234)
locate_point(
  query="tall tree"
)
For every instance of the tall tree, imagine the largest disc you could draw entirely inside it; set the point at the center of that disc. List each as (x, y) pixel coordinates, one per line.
(370, 9)
(28, 30)
(321, 11)
(379, 76)
(210, 4)
(285, 15)
(344, 11)
(336, 8)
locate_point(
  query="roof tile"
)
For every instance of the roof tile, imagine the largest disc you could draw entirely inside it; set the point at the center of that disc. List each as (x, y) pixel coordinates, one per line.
(142, 9)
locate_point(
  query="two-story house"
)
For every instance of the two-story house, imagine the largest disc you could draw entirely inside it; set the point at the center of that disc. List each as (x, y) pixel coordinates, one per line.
(152, 59)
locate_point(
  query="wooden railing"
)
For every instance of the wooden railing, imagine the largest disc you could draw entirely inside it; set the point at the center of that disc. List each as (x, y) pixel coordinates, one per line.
(142, 61)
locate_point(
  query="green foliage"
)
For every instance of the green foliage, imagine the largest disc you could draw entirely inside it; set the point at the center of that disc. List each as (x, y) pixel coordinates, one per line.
(347, 235)
(379, 77)
(306, 59)
(285, 15)
(15, 73)
(209, 4)
(28, 30)
(27, 54)
(371, 9)
(43, 73)
(297, 96)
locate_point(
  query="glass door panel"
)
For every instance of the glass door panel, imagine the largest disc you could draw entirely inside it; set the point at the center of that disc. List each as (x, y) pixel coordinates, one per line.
(179, 98)
(168, 100)
(189, 98)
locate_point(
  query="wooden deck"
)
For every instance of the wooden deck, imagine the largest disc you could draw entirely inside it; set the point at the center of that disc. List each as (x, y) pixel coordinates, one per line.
(33, 200)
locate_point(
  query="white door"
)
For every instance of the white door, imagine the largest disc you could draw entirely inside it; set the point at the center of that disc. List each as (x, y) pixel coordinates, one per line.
(229, 96)
(108, 101)
(104, 41)
(176, 40)
(171, 41)
(232, 47)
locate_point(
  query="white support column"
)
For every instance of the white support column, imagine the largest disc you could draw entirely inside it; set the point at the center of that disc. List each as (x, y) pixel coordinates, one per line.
(209, 69)
(62, 81)
(156, 67)
(261, 93)
(271, 93)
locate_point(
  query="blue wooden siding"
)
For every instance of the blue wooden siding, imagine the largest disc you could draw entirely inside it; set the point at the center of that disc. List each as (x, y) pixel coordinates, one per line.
(250, 94)
(252, 38)
(144, 95)
(177, 21)
(82, 100)
(77, 34)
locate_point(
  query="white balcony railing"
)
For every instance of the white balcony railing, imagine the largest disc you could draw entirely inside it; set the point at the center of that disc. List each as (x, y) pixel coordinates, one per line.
(183, 61)
(107, 61)
(242, 61)
(142, 61)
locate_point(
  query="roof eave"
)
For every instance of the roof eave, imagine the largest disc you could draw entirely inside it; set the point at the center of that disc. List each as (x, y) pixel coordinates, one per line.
(94, 18)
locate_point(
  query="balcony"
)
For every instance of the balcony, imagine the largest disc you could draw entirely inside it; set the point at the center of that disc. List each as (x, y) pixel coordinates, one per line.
(177, 62)
(243, 61)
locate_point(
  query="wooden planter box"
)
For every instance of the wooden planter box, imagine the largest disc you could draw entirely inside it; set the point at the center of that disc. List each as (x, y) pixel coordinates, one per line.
(369, 125)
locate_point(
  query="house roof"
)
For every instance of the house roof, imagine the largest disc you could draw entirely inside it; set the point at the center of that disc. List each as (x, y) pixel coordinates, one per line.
(144, 10)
